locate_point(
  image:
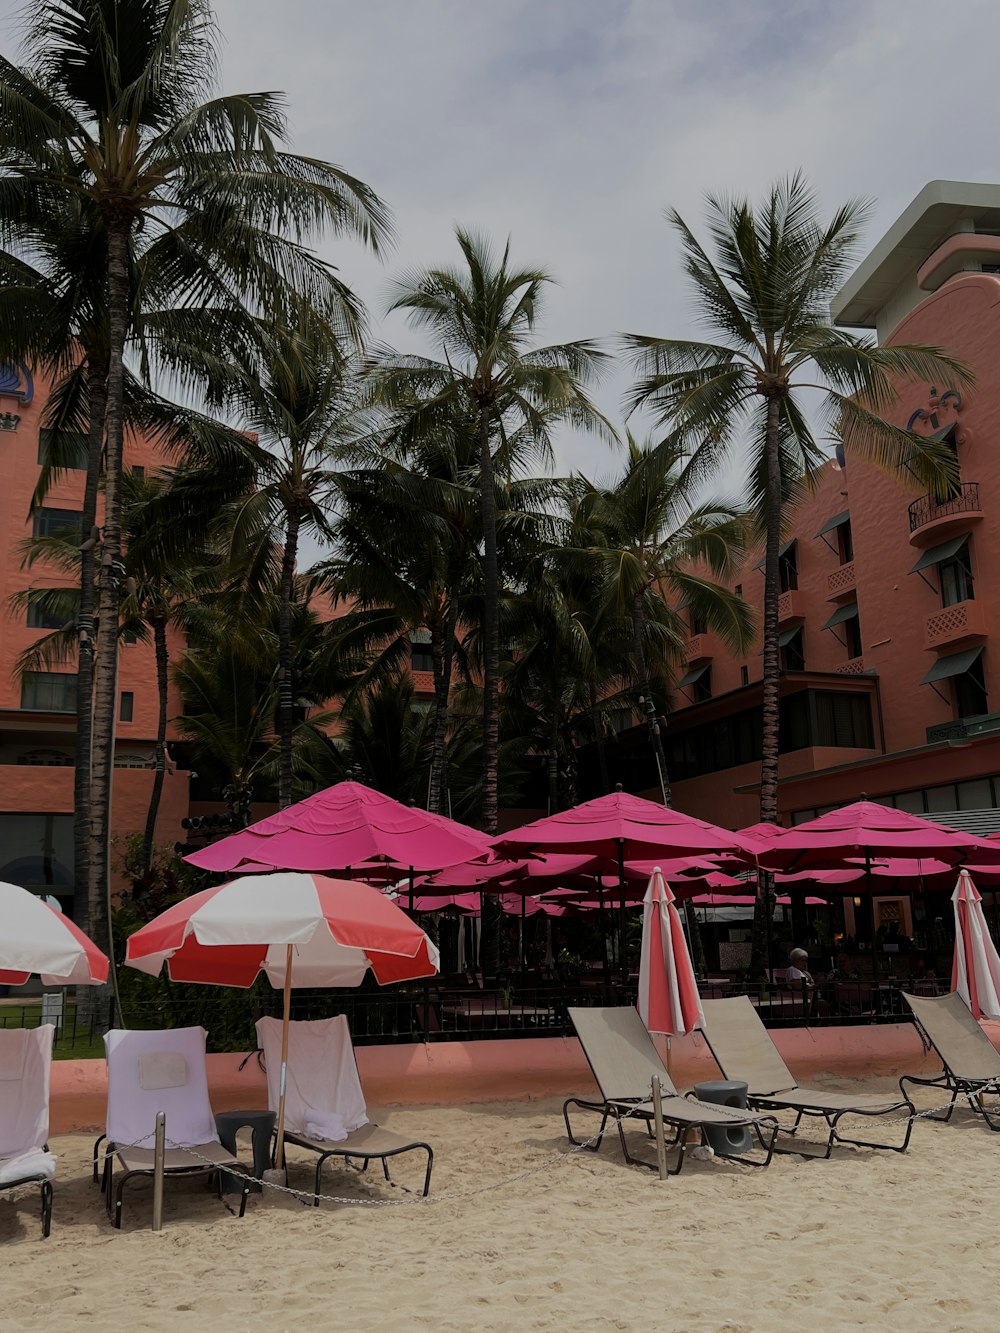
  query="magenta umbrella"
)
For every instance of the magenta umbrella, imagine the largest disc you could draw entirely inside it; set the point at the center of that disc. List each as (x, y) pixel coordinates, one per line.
(624, 827)
(340, 829)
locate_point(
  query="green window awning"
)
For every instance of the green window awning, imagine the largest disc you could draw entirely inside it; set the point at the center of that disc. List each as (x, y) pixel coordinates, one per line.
(694, 674)
(783, 549)
(955, 665)
(935, 555)
(835, 522)
(846, 612)
(787, 635)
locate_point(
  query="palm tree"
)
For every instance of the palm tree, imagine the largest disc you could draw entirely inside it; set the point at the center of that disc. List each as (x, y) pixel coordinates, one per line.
(764, 288)
(110, 115)
(302, 406)
(481, 316)
(654, 538)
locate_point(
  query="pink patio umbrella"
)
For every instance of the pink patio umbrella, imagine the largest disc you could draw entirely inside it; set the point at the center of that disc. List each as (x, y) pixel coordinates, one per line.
(296, 929)
(626, 828)
(38, 940)
(975, 973)
(339, 829)
(668, 1000)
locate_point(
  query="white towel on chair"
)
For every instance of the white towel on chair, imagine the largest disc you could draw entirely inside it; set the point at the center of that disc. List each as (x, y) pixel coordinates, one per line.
(326, 1125)
(322, 1091)
(25, 1165)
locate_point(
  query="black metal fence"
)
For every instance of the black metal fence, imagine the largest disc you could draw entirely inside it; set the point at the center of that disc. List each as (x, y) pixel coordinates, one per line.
(462, 1012)
(929, 507)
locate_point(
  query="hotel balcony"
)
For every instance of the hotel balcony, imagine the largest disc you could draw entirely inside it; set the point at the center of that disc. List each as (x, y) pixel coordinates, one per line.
(703, 647)
(855, 667)
(841, 583)
(932, 519)
(791, 606)
(955, 624)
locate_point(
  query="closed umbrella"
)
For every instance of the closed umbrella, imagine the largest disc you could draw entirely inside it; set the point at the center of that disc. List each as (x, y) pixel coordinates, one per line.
(298, 930)
(668, 993)
(36, 939)
(975, 973)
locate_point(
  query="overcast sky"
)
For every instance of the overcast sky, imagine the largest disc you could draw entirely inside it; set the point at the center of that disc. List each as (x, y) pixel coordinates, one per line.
(570, 125)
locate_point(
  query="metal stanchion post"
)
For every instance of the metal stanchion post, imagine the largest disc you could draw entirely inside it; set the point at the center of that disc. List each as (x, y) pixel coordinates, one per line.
(661, 1145)
(159, 1149)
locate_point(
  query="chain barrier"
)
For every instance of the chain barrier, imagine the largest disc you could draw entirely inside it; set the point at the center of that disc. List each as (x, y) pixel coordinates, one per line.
(640, 1109)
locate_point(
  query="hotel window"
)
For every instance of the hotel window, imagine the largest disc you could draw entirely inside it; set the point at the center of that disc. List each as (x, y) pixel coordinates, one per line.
(845, 542)
(852, 636)
(970, 690)
(788, 567)
(63, 449)
(41, 616)
(421, 657)
(703, 686)
(48, 691)
(744, 675)
(791, 653)
(65, 523)
(126, 706)
(738, 590)
(950, 490)
(956, 577)
(846, 625)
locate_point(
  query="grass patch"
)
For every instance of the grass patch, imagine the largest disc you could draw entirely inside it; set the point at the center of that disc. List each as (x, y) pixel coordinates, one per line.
(72, 1042)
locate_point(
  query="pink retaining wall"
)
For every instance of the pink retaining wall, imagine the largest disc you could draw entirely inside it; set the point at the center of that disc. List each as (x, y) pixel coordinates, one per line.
(457, 1073)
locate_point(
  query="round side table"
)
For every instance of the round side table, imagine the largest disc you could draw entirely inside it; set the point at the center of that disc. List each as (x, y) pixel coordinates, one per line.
(228, 1124)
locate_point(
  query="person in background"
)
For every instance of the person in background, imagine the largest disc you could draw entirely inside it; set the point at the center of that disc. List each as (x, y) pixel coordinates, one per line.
(797, 971)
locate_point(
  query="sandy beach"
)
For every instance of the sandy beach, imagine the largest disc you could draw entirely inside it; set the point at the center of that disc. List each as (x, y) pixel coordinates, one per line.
(874, 1240)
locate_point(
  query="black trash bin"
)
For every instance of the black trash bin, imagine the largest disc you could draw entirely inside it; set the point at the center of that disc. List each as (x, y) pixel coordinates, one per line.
(726, 1092)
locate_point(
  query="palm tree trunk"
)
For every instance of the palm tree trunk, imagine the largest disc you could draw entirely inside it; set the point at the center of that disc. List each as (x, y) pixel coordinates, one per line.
(162, 664)
(443, 649)
(491, 913)
(642, 680)
(491, 628)
(286, 718)
(97, 376)
(771, 682)
(109, 595)
(554, 803)
(602, 753)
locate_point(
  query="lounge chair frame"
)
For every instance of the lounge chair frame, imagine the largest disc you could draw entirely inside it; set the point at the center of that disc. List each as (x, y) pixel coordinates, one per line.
(383, 1144)
(193, 1161)
(972, 1088)
(806, 1103)
(681, 1113)
(45, 1183)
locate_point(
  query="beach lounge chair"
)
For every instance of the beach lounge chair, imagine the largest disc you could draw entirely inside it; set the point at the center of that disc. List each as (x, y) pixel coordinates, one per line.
(149, 1072)
(971, 1061)
(743, 1050)
(624, 1061)
(325, 1108)
(25, 1064)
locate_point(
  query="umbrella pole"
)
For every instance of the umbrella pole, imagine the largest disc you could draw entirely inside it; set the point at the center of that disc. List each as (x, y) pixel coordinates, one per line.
(411, 890)
(871, 914)
(286, 1014)
(524, 899)
(621, 909)
(604, 929)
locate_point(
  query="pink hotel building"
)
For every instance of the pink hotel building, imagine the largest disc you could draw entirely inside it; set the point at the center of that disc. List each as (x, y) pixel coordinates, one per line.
(890, 604)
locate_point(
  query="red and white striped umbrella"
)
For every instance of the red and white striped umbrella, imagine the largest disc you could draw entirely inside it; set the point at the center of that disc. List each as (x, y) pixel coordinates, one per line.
(975, 972)
(336, 929)
(298, 929)
(36, 939)
(668, 992)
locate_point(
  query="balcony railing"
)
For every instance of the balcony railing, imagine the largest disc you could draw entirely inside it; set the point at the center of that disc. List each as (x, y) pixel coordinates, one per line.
(955, 624)
(841, 581)
(964, 728)
(928, 509)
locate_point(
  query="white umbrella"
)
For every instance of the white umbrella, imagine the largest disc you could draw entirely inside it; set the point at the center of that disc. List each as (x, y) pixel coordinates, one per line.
(37, 939)
(975, 973)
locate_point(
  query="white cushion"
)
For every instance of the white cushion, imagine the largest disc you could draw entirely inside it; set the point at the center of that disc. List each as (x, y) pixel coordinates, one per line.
(27, 1165)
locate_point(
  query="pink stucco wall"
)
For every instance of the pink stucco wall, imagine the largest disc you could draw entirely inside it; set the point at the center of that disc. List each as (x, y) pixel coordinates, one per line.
(461, 1073)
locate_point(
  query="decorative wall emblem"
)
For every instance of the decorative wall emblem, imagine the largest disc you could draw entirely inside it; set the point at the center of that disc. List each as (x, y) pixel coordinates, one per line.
(940, 414)
(16, 382)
